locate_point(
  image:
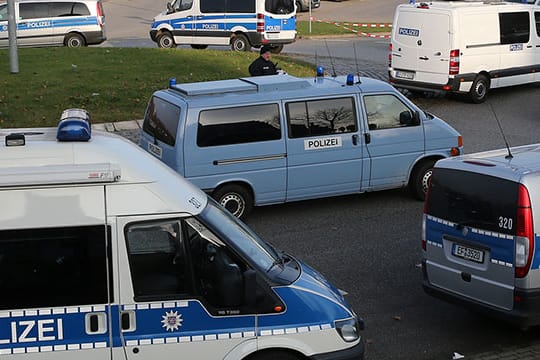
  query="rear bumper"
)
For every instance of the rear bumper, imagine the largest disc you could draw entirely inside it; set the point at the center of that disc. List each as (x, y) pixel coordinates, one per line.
(452, 85)
(526, 311)
(353, 353)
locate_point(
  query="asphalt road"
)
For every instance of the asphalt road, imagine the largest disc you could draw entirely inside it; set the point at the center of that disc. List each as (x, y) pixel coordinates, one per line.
(369, 244)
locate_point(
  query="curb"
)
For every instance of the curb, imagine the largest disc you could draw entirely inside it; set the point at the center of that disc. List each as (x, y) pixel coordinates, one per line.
(349, 26)
(119, 126)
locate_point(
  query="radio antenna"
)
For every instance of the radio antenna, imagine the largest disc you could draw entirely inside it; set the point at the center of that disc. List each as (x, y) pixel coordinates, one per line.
(356, 62)
(331, 61)
(509, 156)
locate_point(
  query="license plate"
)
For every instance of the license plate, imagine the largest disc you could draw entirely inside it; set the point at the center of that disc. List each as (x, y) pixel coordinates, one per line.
(405, 75)
(468, 253)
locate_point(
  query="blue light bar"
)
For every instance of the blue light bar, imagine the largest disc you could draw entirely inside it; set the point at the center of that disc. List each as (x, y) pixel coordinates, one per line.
(74, 125)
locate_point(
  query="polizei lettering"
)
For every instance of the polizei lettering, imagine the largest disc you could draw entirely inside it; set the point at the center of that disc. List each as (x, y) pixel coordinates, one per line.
(25, 331)
(322, 143)
(409, 32)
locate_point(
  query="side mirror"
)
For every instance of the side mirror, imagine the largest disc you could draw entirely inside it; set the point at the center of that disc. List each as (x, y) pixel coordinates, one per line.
(408, 118)
(170, 9)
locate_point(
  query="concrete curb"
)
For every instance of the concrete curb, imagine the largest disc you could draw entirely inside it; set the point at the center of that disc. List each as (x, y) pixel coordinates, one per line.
(119, 126)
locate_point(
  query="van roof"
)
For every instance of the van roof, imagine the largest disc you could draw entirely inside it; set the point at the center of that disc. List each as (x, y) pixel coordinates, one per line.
(272, 87)
(525, 160)
(43, 161)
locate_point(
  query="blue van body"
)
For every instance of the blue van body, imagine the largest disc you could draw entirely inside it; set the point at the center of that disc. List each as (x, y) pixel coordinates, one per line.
(274, 139)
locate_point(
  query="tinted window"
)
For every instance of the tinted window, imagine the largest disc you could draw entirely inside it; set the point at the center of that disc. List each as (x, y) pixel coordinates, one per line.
(537, 21)
(386, 112)
(279, 6)
(241, 6)
(60, 9)
(321, 117)
(33, 10)
(53, 267)
(209, 6)
(3, 12)
(80, 9)
(472, 199)
(161, 120)
(514, 27)
(238, 125)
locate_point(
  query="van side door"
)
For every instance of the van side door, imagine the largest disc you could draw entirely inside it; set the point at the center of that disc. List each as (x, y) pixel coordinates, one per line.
(183, 20)
(182, 291)
(209, 25)
(324, 147)
(35, 27)
(55, 274)
(397, 139)
(518, 52)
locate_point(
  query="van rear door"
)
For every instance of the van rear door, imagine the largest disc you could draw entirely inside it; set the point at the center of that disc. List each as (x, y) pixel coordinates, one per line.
(421, 45)
(470, 228)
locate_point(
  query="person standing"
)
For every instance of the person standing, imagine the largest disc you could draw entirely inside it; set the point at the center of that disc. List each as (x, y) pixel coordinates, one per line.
(263, 65)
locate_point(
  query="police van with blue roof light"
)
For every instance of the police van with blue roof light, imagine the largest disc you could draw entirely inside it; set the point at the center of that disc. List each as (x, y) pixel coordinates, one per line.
(238, 24)
(71, 23)
(274, 139)
(106, 253)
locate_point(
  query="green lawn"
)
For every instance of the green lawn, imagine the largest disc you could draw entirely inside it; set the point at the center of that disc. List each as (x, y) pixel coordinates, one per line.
(345, 28)
(113, 84)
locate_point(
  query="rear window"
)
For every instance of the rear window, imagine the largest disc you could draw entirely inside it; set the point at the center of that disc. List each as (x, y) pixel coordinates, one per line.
(473, 199)
(161, 120)
(515, 27)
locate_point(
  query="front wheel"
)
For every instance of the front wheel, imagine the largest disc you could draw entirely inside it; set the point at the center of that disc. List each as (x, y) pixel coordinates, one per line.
(420, 178)
(74, 40)
(240, 43)
(479, 89)
(165, 40)
(236, 199)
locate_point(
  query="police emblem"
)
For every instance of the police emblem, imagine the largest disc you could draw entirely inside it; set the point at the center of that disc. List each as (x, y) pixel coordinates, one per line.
(172, 320)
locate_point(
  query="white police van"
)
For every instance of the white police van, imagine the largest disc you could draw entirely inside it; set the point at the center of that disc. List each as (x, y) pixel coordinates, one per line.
(240, 24)
(274, 139)
(106, 253)
(70, 23)
(480, 233)
(466, 47)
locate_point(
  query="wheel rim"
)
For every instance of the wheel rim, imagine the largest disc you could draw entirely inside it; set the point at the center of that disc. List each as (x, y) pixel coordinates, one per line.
(480, 89)
(166, 42)
(425, 180)
(234, 203)
(239, 45)
(74, 42)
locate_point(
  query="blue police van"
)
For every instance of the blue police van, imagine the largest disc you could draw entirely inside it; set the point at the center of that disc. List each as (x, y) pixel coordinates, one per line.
(274, 139)
(106, 253)
(70, 23)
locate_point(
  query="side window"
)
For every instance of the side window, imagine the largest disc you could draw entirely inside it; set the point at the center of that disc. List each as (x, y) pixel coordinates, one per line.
(238, 125)
(279, 6)
(175, 259)
(80, 9)
(321, 117)
(57, 9)
(3, 12)
(33, 10)
(161, 120)
(212, 6)
(514, 27)
(53, 267)
(184, 5)
(241, 6)
(387, 111)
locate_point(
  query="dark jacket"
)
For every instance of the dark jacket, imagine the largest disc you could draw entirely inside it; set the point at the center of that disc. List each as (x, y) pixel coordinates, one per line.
(262, 67)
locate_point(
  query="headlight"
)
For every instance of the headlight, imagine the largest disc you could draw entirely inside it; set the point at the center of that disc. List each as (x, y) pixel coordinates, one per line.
(348, 329)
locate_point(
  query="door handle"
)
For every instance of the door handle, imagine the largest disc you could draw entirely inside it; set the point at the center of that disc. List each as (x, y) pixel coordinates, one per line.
(423, 58)
(95, 323)
(367, 138)
(127, 321)
(355, 139)
(438, 53)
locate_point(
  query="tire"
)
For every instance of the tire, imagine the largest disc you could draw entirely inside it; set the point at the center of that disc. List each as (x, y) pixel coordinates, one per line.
(299, 7)
(199, 46)
(235, 198)
(74, 40)
(420, 178)
(166, 40)
(240, 43)
(479, 89)
(276, 49)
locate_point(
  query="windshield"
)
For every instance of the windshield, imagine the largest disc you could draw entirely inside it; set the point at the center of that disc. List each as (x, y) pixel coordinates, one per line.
(241, 238)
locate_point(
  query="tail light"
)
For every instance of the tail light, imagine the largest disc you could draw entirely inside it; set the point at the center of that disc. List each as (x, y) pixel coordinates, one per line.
(100, 13)
(390, 55)
(524, 233)
(260, 23)
(454, 62)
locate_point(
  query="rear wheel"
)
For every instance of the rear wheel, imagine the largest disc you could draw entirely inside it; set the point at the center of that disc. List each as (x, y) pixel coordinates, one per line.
(276, 49)
(166, 40)
(479, 89)
(74, 40)
(240, 43)
(235, 198)
(420, 178)
(199, 46)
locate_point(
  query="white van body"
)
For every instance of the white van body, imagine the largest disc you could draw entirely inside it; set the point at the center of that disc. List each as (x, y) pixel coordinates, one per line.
(106, 253)
(70, 23)
(465, 46)
(238, 24)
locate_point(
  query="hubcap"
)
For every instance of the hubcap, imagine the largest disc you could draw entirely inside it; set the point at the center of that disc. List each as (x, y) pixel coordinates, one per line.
(233, 203)
(425, 180)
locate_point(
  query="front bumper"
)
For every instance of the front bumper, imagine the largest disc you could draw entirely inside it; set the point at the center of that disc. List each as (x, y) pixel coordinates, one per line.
(353, 353)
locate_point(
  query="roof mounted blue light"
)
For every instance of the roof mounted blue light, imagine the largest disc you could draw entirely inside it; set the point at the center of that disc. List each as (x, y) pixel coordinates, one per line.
(320, 71)
(350, 79)
(74, 125)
